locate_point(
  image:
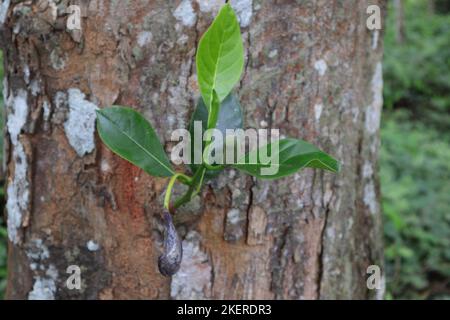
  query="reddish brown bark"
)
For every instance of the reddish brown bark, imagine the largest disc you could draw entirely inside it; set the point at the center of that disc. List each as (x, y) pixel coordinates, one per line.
(312, 69)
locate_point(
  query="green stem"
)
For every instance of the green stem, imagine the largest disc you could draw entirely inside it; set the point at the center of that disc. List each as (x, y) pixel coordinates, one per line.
(194, 188)
(205, 159)
(183, 178)
(195, 183)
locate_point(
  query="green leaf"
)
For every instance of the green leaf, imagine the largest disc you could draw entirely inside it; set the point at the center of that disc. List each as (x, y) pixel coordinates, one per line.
(293, 156)
(215, 108)
(130, 135)
(230, 117)
(220, 56)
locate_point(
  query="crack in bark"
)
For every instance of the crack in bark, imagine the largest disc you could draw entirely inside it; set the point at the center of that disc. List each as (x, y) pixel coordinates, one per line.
(271, 110)
(249, 205)
(277, 272)
(322, 237)
(247, 63)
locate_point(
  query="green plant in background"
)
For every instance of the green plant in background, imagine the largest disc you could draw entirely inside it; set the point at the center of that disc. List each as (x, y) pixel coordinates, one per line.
(415, 153)
(220, 62)
(416, 71)
(415, 175)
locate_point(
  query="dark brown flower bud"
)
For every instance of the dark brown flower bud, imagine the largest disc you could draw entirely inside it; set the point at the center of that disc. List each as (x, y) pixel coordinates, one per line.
(169, 262)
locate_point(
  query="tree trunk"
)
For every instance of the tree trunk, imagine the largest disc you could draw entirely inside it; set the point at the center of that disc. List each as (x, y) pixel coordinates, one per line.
(312, 70)
(431, 7)
(399, 21)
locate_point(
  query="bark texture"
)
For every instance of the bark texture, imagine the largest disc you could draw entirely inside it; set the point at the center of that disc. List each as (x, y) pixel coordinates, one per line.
(312, 69)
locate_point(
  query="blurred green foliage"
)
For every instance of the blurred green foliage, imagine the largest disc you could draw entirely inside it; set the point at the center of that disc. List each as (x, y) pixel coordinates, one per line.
(416, 71)
(415, 154)
(415, 175)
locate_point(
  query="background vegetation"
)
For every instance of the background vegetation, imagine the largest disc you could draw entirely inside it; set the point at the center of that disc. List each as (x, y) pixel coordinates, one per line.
(415, 154)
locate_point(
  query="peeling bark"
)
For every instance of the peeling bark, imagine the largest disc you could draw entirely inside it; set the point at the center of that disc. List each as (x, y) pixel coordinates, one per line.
(312, 70)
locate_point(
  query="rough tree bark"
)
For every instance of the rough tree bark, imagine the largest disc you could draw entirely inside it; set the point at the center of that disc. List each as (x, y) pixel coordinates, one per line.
(312, 69)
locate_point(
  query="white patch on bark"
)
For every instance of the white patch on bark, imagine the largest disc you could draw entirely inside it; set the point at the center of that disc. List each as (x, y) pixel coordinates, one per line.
(233, 216)
(18, 188)
(380, 292)
(17, 117)
(373, 113)
(18, 194)
(44, 287)
(38, 251)
(321, 67)
(236, 193)
(92, 246)
(273, 53)
(257, 224)
(210, 5)
(5, 89)
(178, 96)
(60, 99)
(4, 11)
(26, 73)
(331, 233)
(349, 225)
(104, 166)
(185, 13)
(244, 11)
(35, 88)
(367, 170)
(46, 107)
(370, 197)
(183, 39)
(80, 125)
(375, 38)
(193, 280)
(318, 111)
(144, 38)
(355, 113)
(57, 62)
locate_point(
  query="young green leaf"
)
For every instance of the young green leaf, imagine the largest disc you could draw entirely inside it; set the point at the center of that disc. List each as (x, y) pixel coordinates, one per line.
(230, 117)
(292, 155)
(220, 56)
(215, 108)
(128, 134)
